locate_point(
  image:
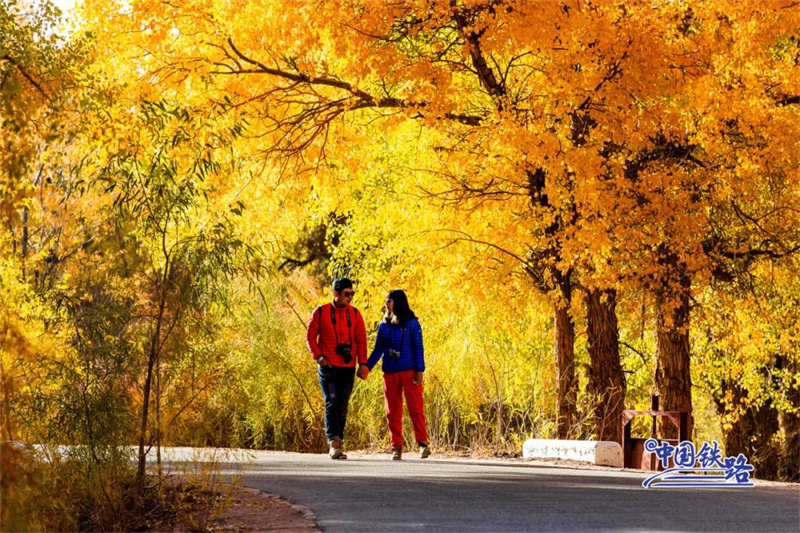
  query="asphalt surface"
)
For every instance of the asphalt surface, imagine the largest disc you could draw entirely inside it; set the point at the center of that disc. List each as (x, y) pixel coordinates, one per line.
(372, 493)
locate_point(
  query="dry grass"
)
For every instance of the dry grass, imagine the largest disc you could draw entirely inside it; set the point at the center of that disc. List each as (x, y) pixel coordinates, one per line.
(51, 493)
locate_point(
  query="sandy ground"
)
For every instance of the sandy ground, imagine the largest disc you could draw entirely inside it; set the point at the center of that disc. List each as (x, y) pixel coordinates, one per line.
(253, 510)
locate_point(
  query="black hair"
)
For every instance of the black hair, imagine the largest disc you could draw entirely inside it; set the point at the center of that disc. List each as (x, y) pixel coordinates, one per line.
(401, 311)
(340, 284)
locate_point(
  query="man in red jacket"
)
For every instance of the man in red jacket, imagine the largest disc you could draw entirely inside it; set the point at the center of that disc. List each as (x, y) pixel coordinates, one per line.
(337, 339)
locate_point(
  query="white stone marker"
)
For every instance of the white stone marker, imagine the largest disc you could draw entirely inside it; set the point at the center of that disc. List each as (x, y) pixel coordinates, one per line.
(603, 453)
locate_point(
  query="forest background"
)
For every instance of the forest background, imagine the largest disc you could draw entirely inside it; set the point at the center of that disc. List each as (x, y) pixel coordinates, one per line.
(588, 203)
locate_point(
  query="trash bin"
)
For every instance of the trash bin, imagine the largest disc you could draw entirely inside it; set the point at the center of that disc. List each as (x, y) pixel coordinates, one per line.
(633, 453)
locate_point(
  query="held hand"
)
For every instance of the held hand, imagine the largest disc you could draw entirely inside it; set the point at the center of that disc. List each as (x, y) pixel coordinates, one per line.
(322, 361)
(362, 372)
(417, 378)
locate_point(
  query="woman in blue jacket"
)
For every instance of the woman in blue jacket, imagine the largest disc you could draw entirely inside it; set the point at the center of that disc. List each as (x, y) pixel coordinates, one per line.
(399, 343)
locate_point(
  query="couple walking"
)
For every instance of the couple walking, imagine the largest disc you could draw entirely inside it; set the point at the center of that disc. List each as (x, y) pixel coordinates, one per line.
(337, 340)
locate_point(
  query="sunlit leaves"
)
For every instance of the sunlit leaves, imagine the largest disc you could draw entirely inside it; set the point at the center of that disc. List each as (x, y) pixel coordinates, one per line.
(471, 152)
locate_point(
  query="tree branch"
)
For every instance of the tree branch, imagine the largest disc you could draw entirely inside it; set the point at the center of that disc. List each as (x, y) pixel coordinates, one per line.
(482, 68)
(364, 99)
(302, 78)
(24, 73)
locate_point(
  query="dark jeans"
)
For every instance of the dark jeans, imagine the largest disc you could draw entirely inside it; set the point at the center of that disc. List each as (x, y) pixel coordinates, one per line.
(336, 384)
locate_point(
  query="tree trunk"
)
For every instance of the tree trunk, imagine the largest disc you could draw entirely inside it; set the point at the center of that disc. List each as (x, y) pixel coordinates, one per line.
(564, 348)
(752, 433)
(790, 424)
(790, 456)
(6, 384)
(564, 344)
(158, 414)
(606, 380)
(151, 360)
(143, 430)
(24, 248)
(24, 232)
(673, 380)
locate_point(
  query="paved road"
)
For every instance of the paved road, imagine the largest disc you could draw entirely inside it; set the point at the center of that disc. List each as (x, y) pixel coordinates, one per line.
(372, 493)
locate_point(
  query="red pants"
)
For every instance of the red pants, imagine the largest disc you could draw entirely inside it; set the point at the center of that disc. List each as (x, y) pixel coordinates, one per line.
(394, 385)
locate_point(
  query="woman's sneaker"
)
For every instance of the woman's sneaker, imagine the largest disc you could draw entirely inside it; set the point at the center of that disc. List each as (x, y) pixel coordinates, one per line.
(424, 452)
(397, 453)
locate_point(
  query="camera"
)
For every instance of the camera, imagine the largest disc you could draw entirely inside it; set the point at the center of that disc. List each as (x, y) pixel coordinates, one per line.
(394, 354)
(345, 350)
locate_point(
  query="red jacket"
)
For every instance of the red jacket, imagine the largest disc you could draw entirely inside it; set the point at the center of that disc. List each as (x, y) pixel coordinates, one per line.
(322, 341)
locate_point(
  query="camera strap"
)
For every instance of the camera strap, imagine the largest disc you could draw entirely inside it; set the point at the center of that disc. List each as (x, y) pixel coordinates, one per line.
(402, 340)
(349, 325)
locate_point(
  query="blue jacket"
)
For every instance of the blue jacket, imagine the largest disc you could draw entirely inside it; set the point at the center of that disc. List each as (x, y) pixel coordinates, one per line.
(406, 339)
